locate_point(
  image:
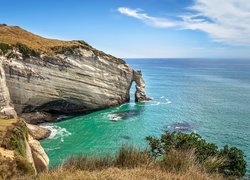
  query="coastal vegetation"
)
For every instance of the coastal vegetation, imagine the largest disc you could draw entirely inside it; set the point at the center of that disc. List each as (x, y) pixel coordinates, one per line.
(172, 156)
(30, 44)
(12, 35)
(13, 158)
(26, 51)
(4, 48)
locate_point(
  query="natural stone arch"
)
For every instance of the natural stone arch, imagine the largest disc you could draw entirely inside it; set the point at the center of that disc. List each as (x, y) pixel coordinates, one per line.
(140, 93)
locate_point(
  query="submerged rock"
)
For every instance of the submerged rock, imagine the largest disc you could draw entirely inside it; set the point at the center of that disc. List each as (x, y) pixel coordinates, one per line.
(124, 115)
(125, 137)
(180, 126)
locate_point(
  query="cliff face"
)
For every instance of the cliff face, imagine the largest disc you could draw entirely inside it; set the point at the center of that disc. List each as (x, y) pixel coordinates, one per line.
(61, 77)
(72, 83)
(5, 101)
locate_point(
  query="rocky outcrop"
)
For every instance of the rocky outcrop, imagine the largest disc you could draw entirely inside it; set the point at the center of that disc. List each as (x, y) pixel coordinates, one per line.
(38, 132)
(64, 79)
(140, 93)
(66, 84)
(29, 156)
(40, 158)
(23, 153)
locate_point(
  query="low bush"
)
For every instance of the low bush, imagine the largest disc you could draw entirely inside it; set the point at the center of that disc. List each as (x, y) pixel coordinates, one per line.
(228, 161)
(14, 138)
(64, 49)
(26, 51)
(4, 48)
(234, 164)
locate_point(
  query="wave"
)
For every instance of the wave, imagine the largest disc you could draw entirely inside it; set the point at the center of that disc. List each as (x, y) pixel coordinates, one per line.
(157, 102)
(57, 132)
(114, 117)
(51, 149)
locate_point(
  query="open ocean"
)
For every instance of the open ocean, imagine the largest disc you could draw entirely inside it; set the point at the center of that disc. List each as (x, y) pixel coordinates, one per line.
(207, 96)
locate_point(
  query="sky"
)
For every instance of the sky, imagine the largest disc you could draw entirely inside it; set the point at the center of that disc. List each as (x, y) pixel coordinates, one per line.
(140, 28)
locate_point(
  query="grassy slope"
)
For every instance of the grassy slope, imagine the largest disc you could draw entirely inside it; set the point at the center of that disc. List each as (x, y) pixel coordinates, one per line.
(13, 162)
(129, 164)
(4, 124)
(14, 34)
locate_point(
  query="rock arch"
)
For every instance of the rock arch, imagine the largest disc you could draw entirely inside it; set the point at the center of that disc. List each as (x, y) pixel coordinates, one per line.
(140, 93)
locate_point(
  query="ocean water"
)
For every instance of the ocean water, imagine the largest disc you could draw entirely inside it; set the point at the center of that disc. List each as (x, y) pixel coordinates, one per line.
(207, 96)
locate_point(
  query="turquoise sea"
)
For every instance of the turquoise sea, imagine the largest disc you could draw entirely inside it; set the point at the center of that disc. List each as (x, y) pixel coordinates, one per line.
(208, 96)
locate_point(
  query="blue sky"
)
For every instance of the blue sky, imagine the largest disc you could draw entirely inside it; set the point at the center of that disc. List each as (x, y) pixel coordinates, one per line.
(140, 28)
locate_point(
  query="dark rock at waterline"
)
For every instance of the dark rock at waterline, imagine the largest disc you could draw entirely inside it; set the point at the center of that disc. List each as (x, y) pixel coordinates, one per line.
(180, 126)
(38, 117)
(123, 115)
(38, 132)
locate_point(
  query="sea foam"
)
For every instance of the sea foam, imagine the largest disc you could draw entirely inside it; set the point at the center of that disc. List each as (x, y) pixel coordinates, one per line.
(57, 132)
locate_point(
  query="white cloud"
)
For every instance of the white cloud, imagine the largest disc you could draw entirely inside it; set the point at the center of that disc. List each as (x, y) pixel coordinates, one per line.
(226, 21)
(153, 21)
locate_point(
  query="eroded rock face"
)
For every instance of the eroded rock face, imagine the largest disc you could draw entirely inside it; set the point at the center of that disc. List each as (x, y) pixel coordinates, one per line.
(40, 158)
(140, 93)
(70, 83)
(6, 107)
(65, 84)
(60, 77)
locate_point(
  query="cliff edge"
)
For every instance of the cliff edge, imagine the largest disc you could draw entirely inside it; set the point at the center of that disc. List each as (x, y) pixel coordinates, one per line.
(60, 77)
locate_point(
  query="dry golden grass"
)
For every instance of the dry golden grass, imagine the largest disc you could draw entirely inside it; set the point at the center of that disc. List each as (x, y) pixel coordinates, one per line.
(130, 164)
(113, 173)
(14, 34)
(4, 124)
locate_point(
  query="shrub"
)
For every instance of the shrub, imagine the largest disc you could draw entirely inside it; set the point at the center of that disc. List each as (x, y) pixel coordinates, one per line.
(64, 49)
(234, 165)
(229, 161)
(26, 51)
(14, 138)
(5, 47)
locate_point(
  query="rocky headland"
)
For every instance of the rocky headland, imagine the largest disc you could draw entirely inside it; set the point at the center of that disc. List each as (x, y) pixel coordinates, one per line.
(42, 78)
